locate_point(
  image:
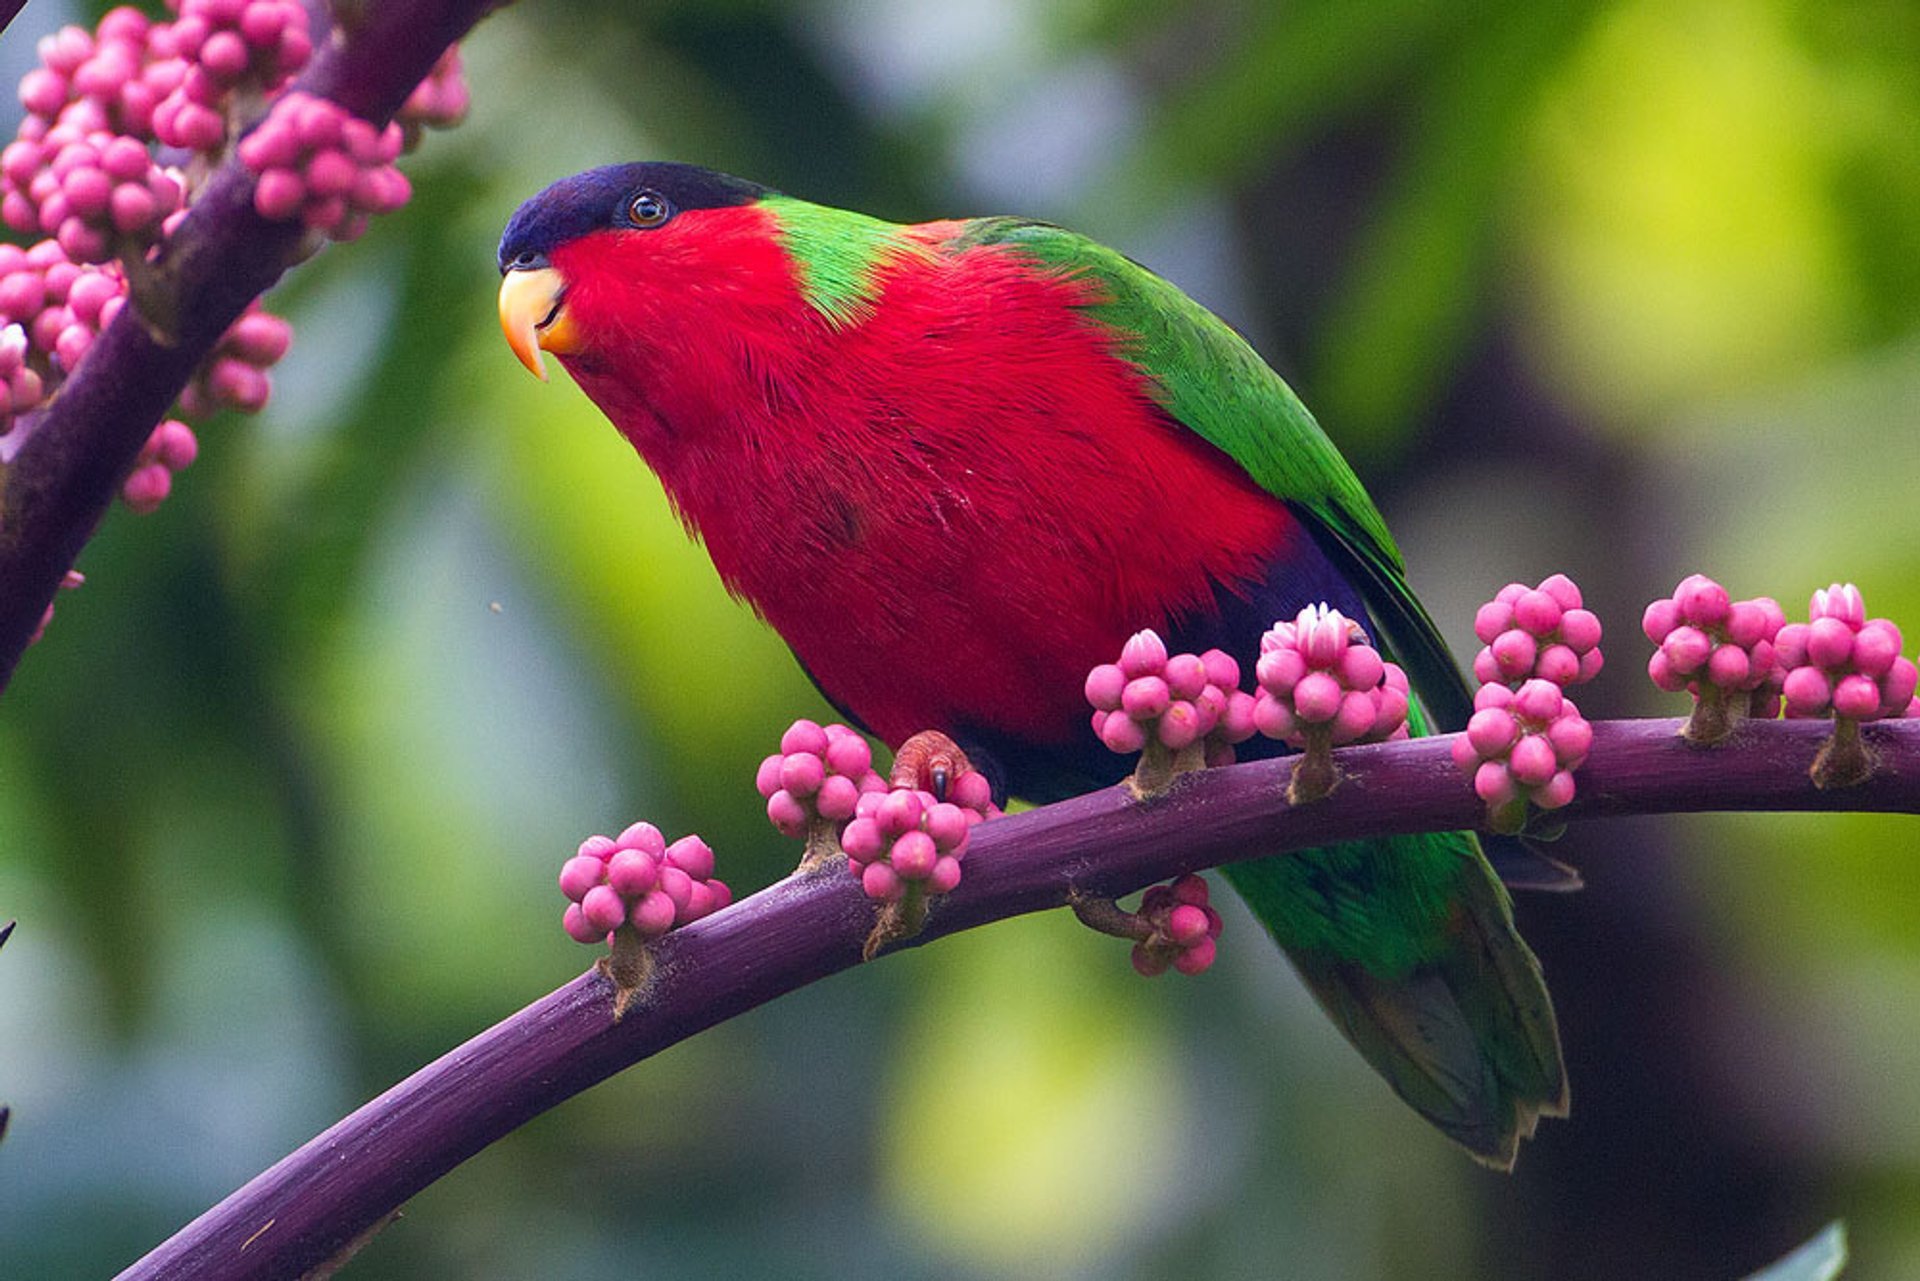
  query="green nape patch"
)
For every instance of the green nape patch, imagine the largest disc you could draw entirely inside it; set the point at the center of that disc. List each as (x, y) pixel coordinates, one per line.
(840, 254)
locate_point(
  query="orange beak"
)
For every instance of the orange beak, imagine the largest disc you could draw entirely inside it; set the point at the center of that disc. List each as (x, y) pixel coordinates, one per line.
(534, 318)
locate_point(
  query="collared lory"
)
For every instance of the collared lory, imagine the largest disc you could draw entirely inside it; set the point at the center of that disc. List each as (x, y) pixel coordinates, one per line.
(956, 464)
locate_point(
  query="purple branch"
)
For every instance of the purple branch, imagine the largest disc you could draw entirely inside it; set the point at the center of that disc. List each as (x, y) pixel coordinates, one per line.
(326, 1197)
(58, 487)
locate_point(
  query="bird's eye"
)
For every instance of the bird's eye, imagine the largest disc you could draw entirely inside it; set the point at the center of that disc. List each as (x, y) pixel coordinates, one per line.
(649, 209)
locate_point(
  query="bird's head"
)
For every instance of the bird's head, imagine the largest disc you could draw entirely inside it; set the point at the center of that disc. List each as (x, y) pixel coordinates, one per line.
(605, 264)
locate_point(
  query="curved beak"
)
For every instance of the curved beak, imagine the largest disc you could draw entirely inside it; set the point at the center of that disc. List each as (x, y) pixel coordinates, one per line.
(533, 316)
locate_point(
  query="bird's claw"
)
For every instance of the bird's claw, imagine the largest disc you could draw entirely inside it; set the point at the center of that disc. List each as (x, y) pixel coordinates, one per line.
(929, 762)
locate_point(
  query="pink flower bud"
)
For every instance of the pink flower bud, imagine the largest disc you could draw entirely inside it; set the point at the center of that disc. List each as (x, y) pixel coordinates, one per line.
(1121, 733)
(1186, 676)
(1829, 642)
(653, 915)
(1145, 697)
(1316, 699)
(1144, 654)
(1807, 692)
(1532, 761)
(146, 488)
(1491, 619)
(1558, 664)
(693, 856)
(1856, 697)
(1273, 718)
(1898, 688)
(1279, 670)
(1354, 718)
(1493, 784)
(802, 773)
(1556, 792)
(1538, 612)
(1221, 669)
(945, 876)
(1703, 602)
(1180, 726)
(837, 798)
(882, 883)
(631, 873)
(1538, 700)
(1875, 647)
(1729, 666)
(1195, 959)
(1842, 603)
(914, 855)
(1571, 738)
(787, 815)
(578, 927)
(580, 874)
(1491, 731)
(1687, 648)
(1660, 618)
(804, 736)
(603, 909)
(862, 840)
(1513, 653)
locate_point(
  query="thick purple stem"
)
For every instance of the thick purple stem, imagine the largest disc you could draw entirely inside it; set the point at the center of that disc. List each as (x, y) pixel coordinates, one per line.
(305, 1209)
(56, 490)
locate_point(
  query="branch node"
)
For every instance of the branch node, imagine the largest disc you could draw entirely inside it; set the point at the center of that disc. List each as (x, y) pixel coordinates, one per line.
(1843, 760)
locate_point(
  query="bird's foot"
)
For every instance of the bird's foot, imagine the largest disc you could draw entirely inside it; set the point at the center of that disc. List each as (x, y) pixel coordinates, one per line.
(929, 761)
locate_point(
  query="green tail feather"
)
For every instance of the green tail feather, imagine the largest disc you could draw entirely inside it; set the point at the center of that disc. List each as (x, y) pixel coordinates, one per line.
(1408, 943)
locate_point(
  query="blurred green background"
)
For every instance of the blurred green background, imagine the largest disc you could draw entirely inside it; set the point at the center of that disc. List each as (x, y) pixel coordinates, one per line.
(1622, 289)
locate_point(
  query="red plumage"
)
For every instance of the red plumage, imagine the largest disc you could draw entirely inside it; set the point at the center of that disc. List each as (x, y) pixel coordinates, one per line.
(951, 509)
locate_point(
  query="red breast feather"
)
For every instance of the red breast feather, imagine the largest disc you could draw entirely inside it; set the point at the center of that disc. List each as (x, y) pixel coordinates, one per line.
(951, 508)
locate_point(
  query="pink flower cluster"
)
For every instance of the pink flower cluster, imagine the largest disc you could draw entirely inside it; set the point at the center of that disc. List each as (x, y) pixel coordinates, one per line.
(637, 880)
(1320, 678)
(1541, 632)
(438, 102)
(171, 448)
(20, 386)
(82, 173)
(60, 304)
(819, 773)
(1522, 746)
(110, 80)
(1175, 701)
(1705, 638)
(321, 164)
(1184, 929)
(1840, 663)
(234, 375)
(223, 45)
(98, 194)
(903, 838)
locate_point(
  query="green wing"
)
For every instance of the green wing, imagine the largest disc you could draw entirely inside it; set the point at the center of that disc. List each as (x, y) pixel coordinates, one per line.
(1212, 381)
(1407, 942)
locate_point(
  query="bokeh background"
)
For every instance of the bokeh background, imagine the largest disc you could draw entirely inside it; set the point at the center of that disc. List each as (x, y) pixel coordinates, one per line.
(1624, 289)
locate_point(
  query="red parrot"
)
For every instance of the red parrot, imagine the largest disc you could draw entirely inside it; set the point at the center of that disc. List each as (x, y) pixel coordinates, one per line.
(955, 465)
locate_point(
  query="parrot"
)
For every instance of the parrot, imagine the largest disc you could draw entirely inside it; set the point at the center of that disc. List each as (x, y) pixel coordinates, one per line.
(956, 464)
